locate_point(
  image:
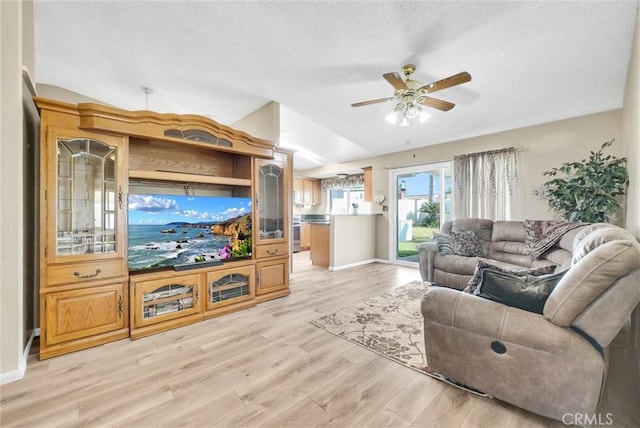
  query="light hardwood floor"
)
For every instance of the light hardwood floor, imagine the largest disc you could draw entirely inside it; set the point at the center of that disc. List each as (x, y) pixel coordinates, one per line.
(266, 366)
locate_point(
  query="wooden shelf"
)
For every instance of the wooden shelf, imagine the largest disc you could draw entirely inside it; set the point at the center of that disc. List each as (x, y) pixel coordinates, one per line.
(187, 178)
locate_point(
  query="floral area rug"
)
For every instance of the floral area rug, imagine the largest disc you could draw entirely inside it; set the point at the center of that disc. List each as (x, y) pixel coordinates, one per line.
(389, 324)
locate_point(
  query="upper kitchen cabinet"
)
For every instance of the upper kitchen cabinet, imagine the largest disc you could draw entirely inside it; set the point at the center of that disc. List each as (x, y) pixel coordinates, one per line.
(306, 191)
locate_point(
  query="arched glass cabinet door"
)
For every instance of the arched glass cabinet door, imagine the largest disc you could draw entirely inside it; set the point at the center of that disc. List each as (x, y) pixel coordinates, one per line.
(88, 198)
(271, 201)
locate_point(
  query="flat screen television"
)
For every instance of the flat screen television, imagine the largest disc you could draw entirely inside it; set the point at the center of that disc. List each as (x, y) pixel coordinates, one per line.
(170, 231)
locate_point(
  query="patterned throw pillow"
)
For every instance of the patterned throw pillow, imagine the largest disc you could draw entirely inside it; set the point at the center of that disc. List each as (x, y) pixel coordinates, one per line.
(466, 243)
(475, 280)
(444, 244)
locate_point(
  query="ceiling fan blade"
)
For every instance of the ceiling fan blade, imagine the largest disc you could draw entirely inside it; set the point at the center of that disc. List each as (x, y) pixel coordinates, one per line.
(447, 82)
(395, 80)
(436, 103)
(366, 103)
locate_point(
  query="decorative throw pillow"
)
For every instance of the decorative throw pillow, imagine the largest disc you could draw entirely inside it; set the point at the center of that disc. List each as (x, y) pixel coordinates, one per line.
(524, 292)
(472, 285)
(444, 244)
(466, 243)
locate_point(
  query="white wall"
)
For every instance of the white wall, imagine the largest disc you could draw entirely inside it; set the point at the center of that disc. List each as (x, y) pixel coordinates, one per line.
(64, 95)
(11, 192)
(631, 133)
(263, 123)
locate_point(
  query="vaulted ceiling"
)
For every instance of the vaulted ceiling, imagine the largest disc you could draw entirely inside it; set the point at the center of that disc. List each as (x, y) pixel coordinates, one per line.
(531, 62)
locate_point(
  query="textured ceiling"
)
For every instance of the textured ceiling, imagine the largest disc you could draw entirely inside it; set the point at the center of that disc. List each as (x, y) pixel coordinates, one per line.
(531, 62)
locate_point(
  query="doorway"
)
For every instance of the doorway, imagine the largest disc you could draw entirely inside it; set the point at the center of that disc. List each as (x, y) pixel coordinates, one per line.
(421, 200)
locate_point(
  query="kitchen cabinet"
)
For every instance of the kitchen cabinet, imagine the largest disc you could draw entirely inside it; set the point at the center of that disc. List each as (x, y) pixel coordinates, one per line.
(306, 191)
(305, 236)
(368, 190)
(321, 238)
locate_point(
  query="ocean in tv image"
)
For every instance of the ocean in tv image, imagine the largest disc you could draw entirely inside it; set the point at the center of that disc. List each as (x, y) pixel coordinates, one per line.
(165, 230)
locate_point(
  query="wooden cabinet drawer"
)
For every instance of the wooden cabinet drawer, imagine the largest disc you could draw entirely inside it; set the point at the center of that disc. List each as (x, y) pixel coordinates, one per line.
(78, 273)
(271, 250)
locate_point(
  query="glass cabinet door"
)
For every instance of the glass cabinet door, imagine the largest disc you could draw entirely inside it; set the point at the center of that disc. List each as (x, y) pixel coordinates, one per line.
(168, 299)
(87, 209)
(271, 203)
(229, 286)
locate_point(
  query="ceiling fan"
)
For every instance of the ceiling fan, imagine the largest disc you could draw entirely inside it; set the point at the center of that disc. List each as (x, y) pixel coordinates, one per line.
(411, 95)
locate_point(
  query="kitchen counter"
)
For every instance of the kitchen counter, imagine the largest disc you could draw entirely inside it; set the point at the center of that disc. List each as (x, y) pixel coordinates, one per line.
(345, 240)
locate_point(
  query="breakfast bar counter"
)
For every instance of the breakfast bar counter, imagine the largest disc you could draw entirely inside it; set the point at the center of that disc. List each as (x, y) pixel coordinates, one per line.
(344, 241)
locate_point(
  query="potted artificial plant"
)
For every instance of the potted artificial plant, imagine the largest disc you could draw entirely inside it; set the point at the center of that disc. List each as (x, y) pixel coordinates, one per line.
(587, 190)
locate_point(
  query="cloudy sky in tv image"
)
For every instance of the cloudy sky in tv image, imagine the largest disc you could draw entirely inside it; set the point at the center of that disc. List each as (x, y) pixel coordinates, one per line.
(164, 209)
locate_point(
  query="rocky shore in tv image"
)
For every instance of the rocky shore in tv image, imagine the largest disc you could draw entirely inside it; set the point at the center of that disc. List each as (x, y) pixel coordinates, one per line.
(168, 230)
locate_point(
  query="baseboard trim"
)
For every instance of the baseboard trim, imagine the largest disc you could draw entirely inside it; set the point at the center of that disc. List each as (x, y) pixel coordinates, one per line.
(366, 262)
(18, 374)
(352, 265)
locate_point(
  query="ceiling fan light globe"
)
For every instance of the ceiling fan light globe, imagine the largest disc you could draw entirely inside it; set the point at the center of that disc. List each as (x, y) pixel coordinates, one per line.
(392, 117)
(404, 123)
(412, 111)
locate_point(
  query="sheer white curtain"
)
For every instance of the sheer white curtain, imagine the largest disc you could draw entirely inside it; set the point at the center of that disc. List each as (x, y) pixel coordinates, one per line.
(486, 185)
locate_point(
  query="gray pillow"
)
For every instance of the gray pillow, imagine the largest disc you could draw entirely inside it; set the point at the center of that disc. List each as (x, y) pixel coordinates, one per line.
(524, 292)
(472, 285)
(444, 244)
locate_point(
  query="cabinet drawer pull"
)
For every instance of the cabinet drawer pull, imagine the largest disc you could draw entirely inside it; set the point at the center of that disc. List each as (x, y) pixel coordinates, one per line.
(120, 306)
(120, 196)
(76, 273)
(272, 253)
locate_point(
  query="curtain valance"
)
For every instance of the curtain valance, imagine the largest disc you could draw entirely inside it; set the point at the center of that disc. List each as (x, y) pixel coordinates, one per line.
(337, 183)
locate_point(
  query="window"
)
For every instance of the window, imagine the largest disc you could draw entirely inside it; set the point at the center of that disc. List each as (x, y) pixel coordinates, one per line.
(340, 200)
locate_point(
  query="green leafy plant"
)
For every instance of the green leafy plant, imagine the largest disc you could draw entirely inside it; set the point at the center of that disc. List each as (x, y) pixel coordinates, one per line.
(430, 207)
(432, 219)
(589, 188)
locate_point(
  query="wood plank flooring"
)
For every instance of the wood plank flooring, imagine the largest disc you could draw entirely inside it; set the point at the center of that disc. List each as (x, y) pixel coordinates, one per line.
(263, 367)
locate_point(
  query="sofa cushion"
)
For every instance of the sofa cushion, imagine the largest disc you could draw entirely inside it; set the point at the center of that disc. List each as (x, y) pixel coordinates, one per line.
(583, 232)
(597, 237)
(504, 230)
(458, 264)
(526, 292)
(445, 246)
(482, 265)
(589, 278)
(466, 243)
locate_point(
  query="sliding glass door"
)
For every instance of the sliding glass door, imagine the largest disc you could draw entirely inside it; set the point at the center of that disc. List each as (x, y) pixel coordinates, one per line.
(421, 198)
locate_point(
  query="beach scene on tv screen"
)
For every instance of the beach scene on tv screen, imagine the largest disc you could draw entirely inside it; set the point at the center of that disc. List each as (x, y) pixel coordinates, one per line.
(166, 230)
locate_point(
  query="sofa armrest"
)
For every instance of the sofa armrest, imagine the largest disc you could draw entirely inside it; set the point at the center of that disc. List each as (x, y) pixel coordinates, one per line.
(426, 255)
(487, 318)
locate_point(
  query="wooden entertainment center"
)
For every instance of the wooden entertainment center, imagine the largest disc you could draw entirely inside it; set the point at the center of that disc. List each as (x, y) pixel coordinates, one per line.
(92, 156)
